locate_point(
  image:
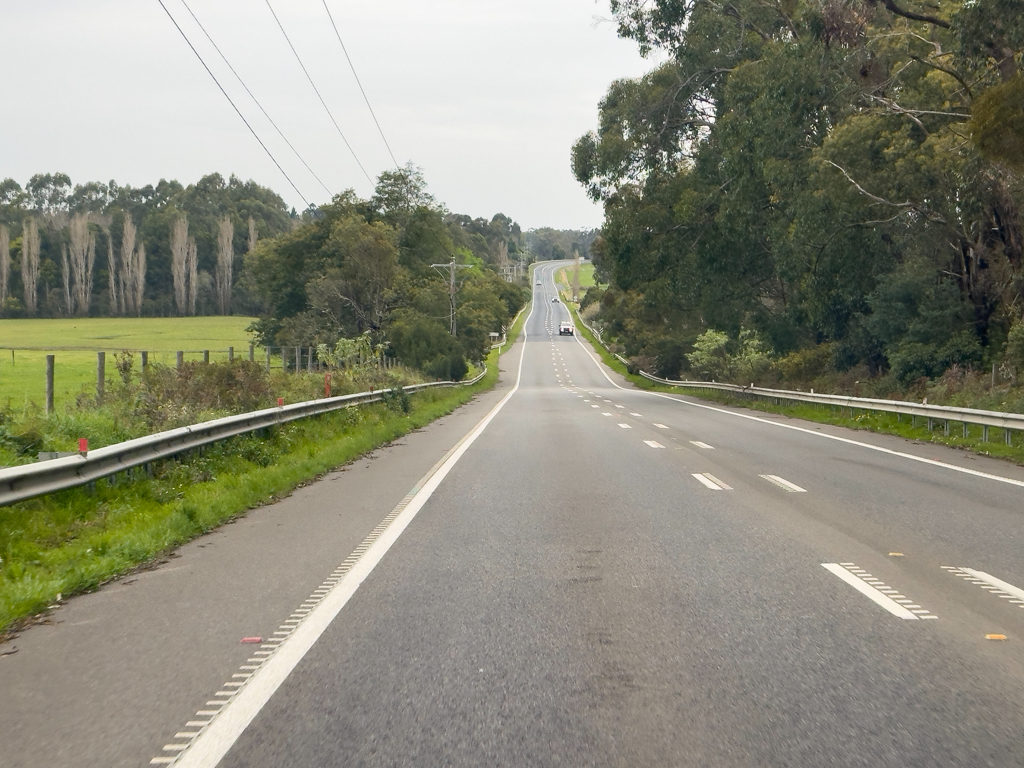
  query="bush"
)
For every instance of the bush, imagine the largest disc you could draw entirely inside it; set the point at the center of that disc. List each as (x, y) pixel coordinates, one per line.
(451, 367)
(710, 357)
(1015, 346)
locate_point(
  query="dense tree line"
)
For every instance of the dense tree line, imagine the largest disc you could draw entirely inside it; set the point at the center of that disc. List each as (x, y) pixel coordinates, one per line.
(365, 268)
(110, 249)
(547, 243)
(838, 181)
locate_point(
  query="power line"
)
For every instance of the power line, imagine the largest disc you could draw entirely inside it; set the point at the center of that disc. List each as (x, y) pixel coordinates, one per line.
(232, 103)
(242, 83)
(365, 98)
(281, 27)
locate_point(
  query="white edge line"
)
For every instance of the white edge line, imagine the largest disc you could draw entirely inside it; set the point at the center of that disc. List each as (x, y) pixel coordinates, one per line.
(866, 589)
(208, 749)
(848, 441)
(1003, 585)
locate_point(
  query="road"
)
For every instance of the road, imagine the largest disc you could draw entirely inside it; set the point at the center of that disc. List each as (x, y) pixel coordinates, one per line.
(574, 573)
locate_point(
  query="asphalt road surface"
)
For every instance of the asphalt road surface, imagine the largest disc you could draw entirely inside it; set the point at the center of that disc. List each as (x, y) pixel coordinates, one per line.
(567, 572)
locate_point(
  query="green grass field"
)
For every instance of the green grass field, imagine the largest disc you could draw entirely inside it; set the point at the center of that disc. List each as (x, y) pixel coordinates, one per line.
(586, 276)
(74, 343)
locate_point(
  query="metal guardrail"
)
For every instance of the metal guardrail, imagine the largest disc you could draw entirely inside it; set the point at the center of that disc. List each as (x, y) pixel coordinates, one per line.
(944, 413)
(30, 480)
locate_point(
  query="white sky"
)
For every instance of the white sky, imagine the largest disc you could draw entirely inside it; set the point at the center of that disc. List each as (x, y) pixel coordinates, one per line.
(487, 96)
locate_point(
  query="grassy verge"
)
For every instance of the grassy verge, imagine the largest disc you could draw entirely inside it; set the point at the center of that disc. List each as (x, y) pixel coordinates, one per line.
(517, 327)
(75, 341)
(873, 421)
(73, 541)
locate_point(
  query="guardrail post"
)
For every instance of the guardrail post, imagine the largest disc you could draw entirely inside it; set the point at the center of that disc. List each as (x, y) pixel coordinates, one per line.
(947, 428)
(929, 423)
(101, 374)
(145, 359)
(206, 356)
(1008, 435)
(231, 354)
(965, 430)
(984, 433)
(49, 384)
(179, 359)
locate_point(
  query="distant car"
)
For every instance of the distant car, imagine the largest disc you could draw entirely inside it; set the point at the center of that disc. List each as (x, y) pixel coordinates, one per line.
(554, 300)
(566, 329)
(538, 282)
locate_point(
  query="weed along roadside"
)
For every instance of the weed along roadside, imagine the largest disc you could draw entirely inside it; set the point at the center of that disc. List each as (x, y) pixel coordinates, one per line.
(72, 541)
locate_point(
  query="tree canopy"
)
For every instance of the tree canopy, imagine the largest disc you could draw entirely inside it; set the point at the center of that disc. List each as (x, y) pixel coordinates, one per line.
(821, 172)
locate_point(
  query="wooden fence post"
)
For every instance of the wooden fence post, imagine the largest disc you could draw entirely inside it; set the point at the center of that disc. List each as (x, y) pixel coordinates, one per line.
(49, 384)
(298, 359)
(206, 356)
(179, 359)
(145, 359)
(231, 354)
(101, 374)
(252, 353)
(268, 358)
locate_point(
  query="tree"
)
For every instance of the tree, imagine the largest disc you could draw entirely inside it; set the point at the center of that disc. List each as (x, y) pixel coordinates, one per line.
(139, 286)
(30, 264)
(5, 265)
(83, 258)
(65, 272)
(191, 270)
(48, 192)
(225, 264)
(253, 235)
(179, 261)
(128, 260)
(790, 162)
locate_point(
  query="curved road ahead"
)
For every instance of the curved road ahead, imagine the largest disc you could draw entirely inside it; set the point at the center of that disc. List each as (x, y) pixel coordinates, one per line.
(595, 575)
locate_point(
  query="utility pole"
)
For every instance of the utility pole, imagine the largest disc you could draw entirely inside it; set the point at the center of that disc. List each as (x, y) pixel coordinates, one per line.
(451, 267)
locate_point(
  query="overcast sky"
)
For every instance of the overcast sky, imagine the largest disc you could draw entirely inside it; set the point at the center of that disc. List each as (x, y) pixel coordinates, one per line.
(487, 96)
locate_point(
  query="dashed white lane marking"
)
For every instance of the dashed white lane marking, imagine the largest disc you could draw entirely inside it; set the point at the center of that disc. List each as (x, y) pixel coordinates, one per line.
(635, 414)
(620, 406)
(605, 413)
(814, 432)
(660, 426)
(653, 443)
(705, 446)
(897, 605)
(990, 583)
(712, 482)
(594, 406)
(625, 426)
(237, 711)
(791, 487)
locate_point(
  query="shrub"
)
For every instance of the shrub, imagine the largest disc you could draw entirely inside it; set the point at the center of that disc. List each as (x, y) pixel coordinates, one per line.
(710, 357)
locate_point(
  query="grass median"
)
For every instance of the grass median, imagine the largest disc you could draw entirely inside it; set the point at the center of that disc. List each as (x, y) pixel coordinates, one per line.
(917, 429)
(73, 541)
